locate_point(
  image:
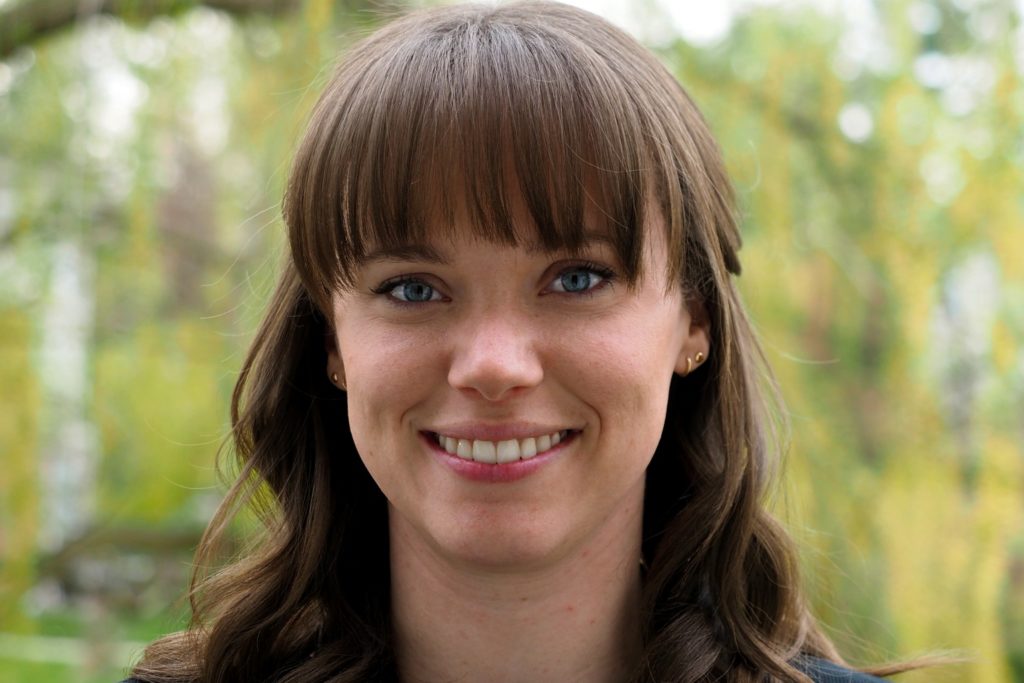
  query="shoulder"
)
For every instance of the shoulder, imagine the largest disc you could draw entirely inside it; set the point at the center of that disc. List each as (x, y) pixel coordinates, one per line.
(820, 671)
(824, 671)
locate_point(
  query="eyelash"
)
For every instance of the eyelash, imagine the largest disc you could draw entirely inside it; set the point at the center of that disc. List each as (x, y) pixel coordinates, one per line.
(606, 274)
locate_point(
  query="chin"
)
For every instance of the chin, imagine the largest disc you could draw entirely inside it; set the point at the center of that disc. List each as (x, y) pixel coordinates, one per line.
(505, 545)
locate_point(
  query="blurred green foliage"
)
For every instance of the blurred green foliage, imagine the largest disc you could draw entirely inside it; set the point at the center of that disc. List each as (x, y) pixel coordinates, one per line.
(141, 169)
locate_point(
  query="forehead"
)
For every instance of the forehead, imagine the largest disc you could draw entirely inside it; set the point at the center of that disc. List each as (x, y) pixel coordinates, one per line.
(438, 247)
(450, 216)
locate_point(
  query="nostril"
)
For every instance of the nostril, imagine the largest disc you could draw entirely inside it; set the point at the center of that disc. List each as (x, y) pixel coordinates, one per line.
(495, 372)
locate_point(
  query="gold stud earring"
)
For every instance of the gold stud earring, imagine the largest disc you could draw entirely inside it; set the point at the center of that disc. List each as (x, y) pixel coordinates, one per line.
(700, 357)
(689, 365)
(334, 377)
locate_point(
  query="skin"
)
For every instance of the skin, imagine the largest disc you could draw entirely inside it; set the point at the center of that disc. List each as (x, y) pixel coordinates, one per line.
(523, 580)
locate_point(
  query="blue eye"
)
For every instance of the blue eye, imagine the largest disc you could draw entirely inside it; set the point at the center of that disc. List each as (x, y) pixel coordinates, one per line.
(575, 281)
(581, 279)
(408, 291)
(413, 291)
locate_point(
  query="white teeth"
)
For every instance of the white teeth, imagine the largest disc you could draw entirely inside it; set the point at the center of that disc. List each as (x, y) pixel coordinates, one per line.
(509, 450)
(484, 451)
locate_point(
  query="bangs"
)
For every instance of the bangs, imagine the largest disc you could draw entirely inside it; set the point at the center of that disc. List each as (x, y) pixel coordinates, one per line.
(480, 120)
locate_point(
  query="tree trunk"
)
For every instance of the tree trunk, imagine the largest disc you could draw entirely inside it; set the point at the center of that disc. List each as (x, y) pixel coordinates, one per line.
(25, 22)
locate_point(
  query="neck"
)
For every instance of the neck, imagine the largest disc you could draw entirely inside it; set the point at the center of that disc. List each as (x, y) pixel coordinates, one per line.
(575, 620)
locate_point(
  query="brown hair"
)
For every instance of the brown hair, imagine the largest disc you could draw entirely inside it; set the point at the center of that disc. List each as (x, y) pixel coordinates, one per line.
(479, 106)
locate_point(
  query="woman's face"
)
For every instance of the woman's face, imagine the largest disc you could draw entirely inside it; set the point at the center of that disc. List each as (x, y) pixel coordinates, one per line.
(461, 352)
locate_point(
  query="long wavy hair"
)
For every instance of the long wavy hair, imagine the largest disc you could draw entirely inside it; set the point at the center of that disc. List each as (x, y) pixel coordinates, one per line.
(476, 106)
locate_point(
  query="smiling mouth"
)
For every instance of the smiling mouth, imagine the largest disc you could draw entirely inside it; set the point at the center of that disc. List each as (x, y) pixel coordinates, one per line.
(501, 452)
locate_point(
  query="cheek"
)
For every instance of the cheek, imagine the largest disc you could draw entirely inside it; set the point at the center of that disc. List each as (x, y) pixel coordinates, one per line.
(379, 359)
(386, 373)
(624, 372)
(631, 362)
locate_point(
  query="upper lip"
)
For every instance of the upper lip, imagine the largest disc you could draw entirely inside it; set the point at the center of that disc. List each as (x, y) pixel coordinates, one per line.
(502, 432)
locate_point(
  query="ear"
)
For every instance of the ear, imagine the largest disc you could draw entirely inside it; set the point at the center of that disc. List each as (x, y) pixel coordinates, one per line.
(696, 337)
(335, 368)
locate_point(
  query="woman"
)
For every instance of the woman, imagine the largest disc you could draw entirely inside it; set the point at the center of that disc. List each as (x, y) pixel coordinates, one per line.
(505, 419)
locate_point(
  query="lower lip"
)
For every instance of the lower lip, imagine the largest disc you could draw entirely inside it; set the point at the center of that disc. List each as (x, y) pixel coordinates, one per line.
(499, 472)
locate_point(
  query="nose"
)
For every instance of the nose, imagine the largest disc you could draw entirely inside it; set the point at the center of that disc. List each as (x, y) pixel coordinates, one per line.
(495, 356)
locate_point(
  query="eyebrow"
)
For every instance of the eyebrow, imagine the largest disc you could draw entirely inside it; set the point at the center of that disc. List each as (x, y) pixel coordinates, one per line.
(429, 254)
(408, 252)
